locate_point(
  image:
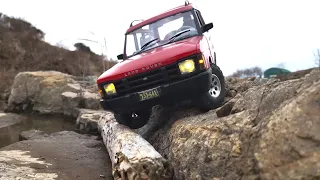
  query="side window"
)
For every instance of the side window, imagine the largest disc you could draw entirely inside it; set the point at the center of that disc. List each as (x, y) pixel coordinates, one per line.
(130, 45)
(200, 18)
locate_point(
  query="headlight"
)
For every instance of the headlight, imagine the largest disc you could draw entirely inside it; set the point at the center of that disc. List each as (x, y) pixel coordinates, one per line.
(187, 66)
(110, 89)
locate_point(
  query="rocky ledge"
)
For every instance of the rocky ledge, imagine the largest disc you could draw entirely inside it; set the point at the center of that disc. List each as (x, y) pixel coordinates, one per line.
(267, 128)
(269, 131)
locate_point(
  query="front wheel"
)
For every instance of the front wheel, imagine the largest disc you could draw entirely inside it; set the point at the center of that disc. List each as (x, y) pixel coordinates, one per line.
(216, 94)
(134, 120)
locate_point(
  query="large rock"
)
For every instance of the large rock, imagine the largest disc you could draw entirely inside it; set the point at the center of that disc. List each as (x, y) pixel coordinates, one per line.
(290, 136)
(87, 121)
(236, 86)
(50, 92)
(91, 100)
(40, 91)
(269, 131)
(70, 102)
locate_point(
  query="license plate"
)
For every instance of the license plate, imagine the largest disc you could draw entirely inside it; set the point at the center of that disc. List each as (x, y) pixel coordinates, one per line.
(149, 94)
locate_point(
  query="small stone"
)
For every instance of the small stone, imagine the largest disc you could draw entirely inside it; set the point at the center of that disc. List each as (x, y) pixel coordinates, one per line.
(102, 176)
(251, 78)
(232, 93)
(225, 110)
(32, 134)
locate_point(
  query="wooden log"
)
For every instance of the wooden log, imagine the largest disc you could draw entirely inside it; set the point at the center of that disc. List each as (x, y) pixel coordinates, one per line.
(132, 156)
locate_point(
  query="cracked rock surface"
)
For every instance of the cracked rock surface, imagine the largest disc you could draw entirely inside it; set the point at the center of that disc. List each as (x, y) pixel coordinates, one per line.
(269, 131)
(266, 129)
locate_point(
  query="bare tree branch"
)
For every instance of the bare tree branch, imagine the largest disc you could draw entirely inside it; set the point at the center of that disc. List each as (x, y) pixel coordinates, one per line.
(248, 72)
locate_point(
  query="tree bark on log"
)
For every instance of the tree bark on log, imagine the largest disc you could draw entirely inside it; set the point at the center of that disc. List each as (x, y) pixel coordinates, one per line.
(132, 156)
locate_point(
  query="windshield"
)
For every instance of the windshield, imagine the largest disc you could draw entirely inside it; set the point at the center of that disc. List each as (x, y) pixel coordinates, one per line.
(169, 29)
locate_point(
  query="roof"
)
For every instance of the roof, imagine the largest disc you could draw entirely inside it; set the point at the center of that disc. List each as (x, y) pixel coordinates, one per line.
(162, 15)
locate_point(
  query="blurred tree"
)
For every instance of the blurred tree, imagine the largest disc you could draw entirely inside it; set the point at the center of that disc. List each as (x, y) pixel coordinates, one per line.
(248, 72)
(82, 47)
(317, 57)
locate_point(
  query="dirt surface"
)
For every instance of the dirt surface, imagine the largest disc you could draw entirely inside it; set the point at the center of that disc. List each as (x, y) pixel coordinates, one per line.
(62, 156)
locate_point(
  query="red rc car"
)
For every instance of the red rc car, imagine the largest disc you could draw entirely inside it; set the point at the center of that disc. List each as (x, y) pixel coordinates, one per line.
(166, 59)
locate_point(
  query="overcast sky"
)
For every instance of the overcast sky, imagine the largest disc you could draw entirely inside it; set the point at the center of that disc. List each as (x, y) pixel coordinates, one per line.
(246, 33)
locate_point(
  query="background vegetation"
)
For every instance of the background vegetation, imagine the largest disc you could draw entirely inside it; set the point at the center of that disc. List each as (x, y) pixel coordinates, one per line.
(22, 49)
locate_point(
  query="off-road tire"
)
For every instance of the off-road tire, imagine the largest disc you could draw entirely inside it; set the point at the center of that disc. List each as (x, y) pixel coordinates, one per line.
(134, 122)
(211, 100)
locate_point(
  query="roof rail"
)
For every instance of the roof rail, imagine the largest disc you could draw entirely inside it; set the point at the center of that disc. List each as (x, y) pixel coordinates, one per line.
(186, 3)
(134, 21)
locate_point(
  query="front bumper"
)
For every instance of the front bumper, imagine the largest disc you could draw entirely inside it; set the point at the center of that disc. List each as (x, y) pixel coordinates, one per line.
(189, 88)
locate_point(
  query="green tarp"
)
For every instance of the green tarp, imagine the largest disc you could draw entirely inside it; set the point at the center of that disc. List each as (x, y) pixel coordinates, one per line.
(274, 72)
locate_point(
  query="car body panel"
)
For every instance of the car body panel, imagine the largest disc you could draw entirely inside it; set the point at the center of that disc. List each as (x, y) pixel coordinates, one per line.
(155, 58)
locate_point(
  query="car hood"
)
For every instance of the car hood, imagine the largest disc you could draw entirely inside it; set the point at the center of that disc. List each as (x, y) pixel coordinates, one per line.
(153, 58)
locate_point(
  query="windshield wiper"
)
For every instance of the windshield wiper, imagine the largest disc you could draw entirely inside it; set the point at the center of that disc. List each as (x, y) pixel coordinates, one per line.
(146, 44)
(178, 34)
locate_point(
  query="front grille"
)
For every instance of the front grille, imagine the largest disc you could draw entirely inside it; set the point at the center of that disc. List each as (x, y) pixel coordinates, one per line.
(147, 80)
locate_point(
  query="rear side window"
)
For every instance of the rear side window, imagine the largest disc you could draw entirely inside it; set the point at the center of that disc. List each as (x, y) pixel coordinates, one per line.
(200, 18)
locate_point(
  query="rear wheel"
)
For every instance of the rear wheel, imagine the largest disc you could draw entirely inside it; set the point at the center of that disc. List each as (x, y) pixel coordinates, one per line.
(134, 120)
(215, 96)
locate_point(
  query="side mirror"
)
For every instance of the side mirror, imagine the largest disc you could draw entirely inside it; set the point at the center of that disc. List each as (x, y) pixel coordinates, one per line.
(120, 56)
(207, 27)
